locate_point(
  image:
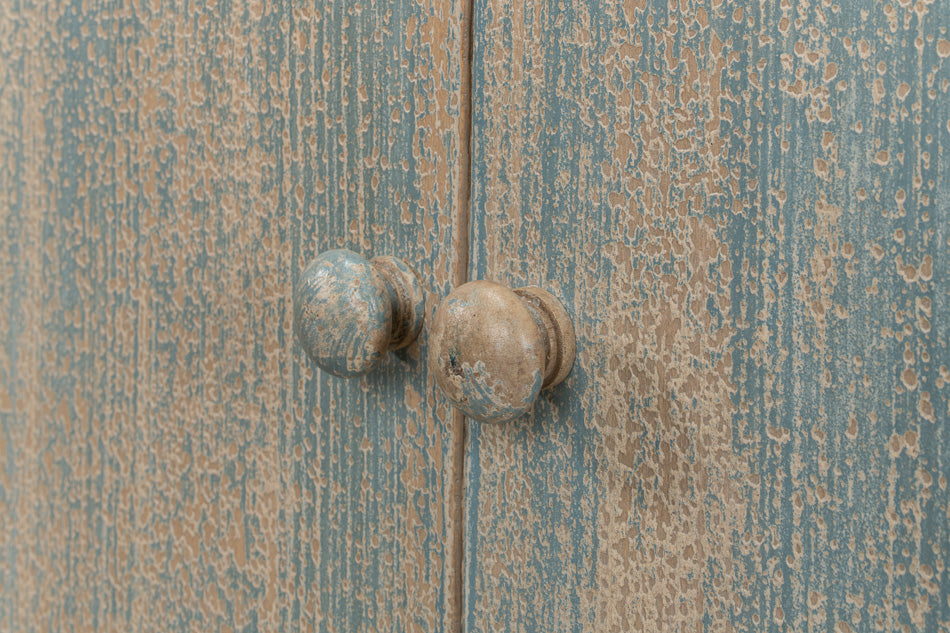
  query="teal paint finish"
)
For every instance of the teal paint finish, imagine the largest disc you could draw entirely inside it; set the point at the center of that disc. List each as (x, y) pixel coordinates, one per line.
(852, 440)
(482, 403)
(343, 313)
(745, 209)
(169, 459)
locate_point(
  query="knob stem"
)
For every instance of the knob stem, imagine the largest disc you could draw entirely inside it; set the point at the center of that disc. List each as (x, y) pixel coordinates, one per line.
(405, 294)
(557, 332)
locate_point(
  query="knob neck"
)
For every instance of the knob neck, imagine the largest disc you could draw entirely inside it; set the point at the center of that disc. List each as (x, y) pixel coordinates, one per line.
(406, 296)
(557, 333)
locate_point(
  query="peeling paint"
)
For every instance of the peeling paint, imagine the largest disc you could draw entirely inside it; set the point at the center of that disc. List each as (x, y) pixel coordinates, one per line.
(487, 352)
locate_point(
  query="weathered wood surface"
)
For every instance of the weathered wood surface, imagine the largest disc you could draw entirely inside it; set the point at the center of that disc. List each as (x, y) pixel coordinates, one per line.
(745, 206)
(169, 460)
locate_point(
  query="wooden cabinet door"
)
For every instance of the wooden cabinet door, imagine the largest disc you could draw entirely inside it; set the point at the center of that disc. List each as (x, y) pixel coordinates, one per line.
(169, 459)
(745, 206)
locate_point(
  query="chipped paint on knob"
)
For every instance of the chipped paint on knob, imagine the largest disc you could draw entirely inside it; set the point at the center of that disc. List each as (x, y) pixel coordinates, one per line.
(490, 349)
(349, 311)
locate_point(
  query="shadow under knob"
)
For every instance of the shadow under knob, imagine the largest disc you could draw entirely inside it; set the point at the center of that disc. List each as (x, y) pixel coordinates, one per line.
(493, 349)
(349, 311)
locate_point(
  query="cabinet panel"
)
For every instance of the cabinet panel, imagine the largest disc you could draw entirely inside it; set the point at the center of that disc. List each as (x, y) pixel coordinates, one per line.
(745, 209)
(169, 459)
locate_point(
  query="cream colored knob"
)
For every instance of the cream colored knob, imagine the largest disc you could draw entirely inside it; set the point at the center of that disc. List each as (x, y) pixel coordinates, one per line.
(492, 349)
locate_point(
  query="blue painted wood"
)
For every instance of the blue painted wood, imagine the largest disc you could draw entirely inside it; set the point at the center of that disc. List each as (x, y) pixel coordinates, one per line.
(744, 206)
(342, 313)
(169, 458)
(349, 311)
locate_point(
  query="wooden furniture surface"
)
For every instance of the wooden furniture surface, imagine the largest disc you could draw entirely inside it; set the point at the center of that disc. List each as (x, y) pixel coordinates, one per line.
(169, 459)
(745, 208)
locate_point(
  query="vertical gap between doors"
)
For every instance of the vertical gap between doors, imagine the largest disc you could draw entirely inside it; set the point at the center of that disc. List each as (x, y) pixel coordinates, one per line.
(462, 249)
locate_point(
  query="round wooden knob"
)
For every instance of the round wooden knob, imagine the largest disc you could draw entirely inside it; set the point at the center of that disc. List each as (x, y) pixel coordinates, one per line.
(349, 311)
(492, 349)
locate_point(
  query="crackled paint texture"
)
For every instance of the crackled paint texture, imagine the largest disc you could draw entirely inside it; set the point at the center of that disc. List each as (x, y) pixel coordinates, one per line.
(745, 206)
(169, 458)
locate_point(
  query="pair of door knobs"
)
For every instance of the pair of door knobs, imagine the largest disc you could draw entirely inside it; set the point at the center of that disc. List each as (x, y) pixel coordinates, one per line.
(491, 349)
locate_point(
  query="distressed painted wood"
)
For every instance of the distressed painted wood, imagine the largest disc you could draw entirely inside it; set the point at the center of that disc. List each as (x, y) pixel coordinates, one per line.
(169, 458)
(745, 206)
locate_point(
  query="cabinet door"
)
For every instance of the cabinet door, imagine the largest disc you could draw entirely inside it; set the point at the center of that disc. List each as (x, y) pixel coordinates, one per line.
(169, 459)
(745, 207)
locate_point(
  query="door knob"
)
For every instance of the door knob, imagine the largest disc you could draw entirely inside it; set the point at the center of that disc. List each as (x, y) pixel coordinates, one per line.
(349, 311)
(492, 349)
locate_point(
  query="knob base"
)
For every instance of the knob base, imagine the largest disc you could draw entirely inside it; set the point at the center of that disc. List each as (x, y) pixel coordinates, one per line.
(556, 327)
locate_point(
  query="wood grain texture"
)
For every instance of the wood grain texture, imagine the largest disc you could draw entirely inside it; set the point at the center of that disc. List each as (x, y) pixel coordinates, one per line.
(169, 460)
(745, 207)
